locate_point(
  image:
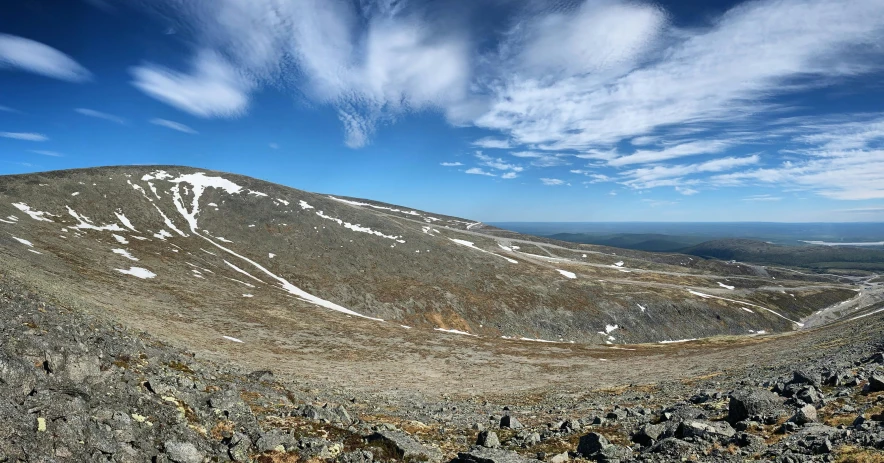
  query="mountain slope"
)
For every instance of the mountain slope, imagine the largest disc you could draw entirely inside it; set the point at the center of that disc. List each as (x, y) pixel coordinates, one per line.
(820, 257)
(225, 252)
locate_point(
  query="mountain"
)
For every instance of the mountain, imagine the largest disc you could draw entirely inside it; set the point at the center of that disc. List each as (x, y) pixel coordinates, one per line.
(163, 313)
(226, 246)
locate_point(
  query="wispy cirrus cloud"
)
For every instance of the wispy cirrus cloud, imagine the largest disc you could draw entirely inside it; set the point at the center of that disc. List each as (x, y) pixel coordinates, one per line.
(7, 109)
(173, 125)
(553, 181)
(38, 58)
(54, 154)
(762, 198)
(451, 164)
(27, 136)
(100, 115)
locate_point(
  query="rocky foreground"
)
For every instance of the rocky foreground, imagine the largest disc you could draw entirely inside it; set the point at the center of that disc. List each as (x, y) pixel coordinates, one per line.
(74, 387)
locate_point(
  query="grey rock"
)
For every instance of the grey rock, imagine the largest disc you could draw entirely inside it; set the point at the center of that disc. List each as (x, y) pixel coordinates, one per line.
(648, 434)
(488, 439)
(79, 368)
(183, 452)
(486, 455)
(405, 446)
(804, 415)
(17, 376)
(275, 440)
(805, 377)
(809, 395)
(755, 404)
(702, 428)
(240, 444)
(673, 449)
(357, 456)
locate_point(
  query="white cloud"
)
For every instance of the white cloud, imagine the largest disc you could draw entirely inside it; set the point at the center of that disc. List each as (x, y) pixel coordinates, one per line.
(451, 164)
(213, 88)
(552, 181)
(370, 60)
(686, 190)
(28, 136)
(173, 125)
(479, 171)
(47, 153)
(685, 149)
(497, 163)
(100, 115)
(509, 175)
(31, 56)
(649, 177)
(492, 143)
(718, 74)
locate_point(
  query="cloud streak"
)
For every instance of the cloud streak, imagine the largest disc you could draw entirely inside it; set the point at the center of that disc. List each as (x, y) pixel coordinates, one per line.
(27, 136)
(173, 125)
(100, 115)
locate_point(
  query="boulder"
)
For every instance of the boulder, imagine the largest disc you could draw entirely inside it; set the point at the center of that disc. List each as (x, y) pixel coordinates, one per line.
(275, 441)
(486, 455)
(592, 443)
(703, 428)
(648, 434)
(755, 404)
(805, 377)
(404, 446)
(16, 376)
(876, 383)
(804, 415)
(509, 421)
(183, 452)
(488, 439)
(808, 395)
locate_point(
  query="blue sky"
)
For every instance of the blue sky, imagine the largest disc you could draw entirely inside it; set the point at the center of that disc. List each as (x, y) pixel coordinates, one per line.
(496, 110)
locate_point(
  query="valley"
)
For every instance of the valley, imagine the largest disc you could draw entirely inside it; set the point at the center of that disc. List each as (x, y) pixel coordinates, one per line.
(408, 314)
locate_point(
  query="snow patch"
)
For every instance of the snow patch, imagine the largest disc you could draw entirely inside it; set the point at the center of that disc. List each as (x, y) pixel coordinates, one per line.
(85, 223)
(75, 193)
(567, 274)
(359, 228)
(678, 341)
(454, 332)
(271, 255)
(470, 244)
(120, 239)
(162, 235)
(618, 264)
(304, 205)
(725, 286)
(232, 339)
(122, 218)
(36, 215)
(641, 307)
(248, 295)
(242, 271)
(125, 254)
(24, 242)
(139, 272)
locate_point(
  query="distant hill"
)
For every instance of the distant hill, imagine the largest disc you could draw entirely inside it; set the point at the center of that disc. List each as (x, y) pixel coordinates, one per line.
(652, 242)
(814, 257)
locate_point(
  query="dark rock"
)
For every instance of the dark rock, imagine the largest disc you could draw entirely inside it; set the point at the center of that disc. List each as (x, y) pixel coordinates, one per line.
(673, 449)
(357, 456)
(509, 421)
(808, 395)
(755, 404)
(592, 443)
(405, 446)
(876, 383)
(805, 377)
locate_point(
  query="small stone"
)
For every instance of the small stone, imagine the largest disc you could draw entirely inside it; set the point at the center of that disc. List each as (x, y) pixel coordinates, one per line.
(41, 424)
